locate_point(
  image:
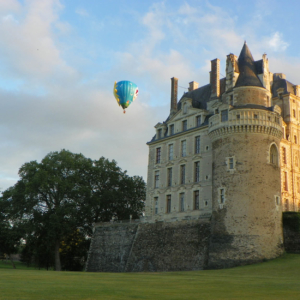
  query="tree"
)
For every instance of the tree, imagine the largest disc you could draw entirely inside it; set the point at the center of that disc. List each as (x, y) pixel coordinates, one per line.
(10, 235)
(66, 191)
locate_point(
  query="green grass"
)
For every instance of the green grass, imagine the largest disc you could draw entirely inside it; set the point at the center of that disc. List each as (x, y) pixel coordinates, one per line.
(276, 279)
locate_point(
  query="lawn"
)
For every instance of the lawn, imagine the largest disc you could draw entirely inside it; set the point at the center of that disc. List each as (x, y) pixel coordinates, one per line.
(276, 279)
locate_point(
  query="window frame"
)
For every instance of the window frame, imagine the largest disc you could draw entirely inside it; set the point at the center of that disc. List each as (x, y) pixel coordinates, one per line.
(181, 202)
(196, 200)
(158, 155)
(168, 204)
(184, 125)
(197, 171)
(224, 115)
(182, 174)
(156, 179)
(183, 148)
(197, 144)
(171, 151)
(169, 176)
(155, 205)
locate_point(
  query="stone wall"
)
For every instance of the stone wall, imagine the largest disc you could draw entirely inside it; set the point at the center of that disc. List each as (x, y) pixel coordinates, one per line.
(110, 247)
(160, 246)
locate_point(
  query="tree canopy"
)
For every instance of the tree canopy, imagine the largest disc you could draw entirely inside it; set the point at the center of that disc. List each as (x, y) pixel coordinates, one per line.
(66, 192)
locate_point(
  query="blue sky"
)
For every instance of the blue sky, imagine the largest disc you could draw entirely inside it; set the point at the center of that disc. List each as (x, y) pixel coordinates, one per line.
(59, 60)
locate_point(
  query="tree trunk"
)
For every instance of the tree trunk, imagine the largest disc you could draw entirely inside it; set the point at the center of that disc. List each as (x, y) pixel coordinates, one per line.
(57, 257)
(12, 262)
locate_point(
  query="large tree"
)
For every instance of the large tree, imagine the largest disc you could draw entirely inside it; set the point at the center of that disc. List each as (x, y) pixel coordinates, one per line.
(67, 191)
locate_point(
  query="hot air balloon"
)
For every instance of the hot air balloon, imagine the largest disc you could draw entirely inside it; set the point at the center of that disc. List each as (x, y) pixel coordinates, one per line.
(125, 92)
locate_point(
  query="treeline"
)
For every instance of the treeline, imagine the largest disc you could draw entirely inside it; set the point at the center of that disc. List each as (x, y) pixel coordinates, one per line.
(48, 214)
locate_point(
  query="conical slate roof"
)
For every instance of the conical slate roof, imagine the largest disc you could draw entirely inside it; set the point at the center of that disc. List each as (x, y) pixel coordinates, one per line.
(248, 74)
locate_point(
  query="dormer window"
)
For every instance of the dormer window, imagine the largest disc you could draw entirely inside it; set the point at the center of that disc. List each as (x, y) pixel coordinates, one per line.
(185, 108)
(159, 131)
(172, 129)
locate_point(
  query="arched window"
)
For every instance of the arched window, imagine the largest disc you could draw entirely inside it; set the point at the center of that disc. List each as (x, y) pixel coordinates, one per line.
(274, 155)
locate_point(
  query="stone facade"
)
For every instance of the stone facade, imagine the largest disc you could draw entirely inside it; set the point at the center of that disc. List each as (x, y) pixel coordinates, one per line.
(228, 152)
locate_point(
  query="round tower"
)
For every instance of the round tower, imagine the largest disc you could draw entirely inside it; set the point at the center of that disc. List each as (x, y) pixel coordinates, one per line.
(246, 218)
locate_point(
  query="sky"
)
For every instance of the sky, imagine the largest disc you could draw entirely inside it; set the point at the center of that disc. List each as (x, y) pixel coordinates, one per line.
(59, 60)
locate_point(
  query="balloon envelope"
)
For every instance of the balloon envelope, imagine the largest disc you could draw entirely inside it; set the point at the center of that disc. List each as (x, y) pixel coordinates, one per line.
(125, 92)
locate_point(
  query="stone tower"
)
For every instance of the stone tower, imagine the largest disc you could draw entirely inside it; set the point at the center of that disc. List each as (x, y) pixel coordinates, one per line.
(245, 132)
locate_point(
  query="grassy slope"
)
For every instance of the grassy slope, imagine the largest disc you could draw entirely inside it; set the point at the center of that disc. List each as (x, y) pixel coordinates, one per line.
(277, 279)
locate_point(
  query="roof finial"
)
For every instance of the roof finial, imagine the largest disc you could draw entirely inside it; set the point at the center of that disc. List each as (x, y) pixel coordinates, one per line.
(245, 42)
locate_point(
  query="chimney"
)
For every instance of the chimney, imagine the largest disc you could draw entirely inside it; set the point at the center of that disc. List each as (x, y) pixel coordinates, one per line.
(193, 85)
(174, 90)
(297, 90)
(215, 78)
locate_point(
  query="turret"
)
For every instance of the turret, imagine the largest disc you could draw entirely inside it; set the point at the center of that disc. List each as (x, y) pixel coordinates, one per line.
(246, 205)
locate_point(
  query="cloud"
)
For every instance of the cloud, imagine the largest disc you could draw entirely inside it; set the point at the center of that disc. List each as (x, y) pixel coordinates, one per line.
(276, 43)
(82, 12)
(27, 44)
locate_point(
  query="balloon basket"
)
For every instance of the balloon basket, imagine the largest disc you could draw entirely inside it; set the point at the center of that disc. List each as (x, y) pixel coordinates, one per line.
(124, 111)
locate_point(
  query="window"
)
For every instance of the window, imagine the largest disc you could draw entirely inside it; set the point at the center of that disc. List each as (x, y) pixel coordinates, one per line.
(182, 174)
(158, 155)
(197, 144)
(216, 111)
(183, 148)
(156, 205)
(184, 125)
(285, 181)
(168, 204)
(156, 179)
(231, 99)
(169, 170)
(276, 120)
(231, 161)
(295, 139)
(224, 115)
(196, 200)
(159, 133)
(283, 155)
(197, 171)
(171, 150)
(286, 204)
(172, 129)
(277, 200)
(222, 196)
(294, 113)
(181, 202)
(296, 159)
(198, 121)
(255, 116)
(298, 185)
(274, 155)
(238, 117)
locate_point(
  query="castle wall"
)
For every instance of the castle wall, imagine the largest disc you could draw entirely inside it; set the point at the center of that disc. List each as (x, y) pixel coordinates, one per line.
(160, 246)
(110, 247)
